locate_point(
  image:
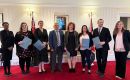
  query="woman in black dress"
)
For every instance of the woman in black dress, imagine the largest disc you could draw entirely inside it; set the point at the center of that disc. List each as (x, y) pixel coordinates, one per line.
(24, 54)
(41, 34)
(71, 45)
(7, 40)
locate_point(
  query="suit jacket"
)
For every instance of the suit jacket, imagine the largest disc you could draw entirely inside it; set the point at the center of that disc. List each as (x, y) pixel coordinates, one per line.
(126, 40)
(103, 36)
(7, 40)
(53, 39)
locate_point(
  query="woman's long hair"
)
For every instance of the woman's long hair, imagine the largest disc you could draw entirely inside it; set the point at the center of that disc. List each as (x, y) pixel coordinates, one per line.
(87, 31)
(21, 31)
(71, 23)
(116, 29)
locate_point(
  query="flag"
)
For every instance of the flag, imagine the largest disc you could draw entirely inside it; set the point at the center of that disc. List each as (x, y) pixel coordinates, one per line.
(91, 26)
(91, 31)
(32, 24)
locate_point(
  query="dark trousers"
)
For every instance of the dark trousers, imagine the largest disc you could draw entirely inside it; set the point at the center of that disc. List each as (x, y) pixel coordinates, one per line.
(6, 65)
(121, 63)
(22, 62)
(101, 56)
(85, 56)
(56, 57)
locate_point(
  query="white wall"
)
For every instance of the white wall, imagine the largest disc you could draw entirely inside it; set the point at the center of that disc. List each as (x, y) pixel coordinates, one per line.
(15, 14)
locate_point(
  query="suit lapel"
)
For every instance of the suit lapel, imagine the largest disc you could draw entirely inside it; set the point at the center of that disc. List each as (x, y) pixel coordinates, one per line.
(101, 31)
(55, 36)
(97, 32)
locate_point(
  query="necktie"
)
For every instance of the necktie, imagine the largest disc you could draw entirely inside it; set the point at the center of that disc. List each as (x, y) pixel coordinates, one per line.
(99, 30)
(58, 38)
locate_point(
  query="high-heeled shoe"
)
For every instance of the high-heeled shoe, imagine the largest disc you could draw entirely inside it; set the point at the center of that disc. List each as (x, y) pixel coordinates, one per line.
(83, 70)
(44, 71)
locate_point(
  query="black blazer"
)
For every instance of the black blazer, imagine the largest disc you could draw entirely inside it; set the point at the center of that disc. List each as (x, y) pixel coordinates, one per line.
(90, 37)
(7, 40)
(42, 36)
(103, 36)
(126, 40)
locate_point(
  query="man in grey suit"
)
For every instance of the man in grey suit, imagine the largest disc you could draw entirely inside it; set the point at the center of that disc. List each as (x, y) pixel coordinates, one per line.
(56, 43)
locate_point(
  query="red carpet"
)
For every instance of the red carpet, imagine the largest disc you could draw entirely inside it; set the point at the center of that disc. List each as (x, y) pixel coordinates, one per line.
(65, 75)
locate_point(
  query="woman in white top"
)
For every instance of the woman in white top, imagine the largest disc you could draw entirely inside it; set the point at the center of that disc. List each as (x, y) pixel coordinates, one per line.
(121, 47)
(85, 39)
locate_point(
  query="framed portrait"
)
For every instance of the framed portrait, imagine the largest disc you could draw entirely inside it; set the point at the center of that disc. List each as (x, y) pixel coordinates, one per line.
(62, 21)
(1, 19)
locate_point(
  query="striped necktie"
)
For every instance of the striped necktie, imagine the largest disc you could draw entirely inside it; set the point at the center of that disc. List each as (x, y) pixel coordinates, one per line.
(58, 38)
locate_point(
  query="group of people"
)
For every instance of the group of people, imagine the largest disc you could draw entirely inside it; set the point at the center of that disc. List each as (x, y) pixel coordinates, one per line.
(70, 42)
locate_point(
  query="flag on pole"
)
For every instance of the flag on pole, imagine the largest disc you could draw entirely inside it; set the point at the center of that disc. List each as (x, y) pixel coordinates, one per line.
(91, 26)
(32, 24)
(91, 29)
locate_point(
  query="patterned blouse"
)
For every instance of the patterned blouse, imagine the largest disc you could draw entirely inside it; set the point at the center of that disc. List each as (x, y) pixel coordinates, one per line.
(21, 52)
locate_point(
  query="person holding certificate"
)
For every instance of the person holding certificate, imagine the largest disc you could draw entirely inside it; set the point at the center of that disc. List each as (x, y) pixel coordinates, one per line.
(42, 54)
(103, 37)
(71, 44)
(121, 48)
(85, 39)
(7, 41)
(24, 54)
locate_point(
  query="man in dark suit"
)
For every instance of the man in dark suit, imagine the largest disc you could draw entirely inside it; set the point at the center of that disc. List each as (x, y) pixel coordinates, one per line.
(56, 42)
(102, 53)
(7, 41)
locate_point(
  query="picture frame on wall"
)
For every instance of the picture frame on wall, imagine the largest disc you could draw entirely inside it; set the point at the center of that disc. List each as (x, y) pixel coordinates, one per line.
(62, 21)
(1, 19)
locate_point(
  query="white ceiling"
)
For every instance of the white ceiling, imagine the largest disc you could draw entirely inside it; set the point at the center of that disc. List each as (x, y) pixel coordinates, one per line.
(102, 3)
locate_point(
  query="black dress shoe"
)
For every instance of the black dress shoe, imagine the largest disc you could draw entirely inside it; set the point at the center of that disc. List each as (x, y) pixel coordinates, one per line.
(101, 75)
(27, 71)
(70, 70)
(9, 73)
(23, 72)
(73, 70)
(59, 70)
(98, 72)
(6, 74)
(52, 71)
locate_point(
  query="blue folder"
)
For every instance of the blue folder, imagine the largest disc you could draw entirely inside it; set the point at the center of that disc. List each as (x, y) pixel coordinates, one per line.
(39, 45)
(85, 43)
(26, 42)
(96, 41)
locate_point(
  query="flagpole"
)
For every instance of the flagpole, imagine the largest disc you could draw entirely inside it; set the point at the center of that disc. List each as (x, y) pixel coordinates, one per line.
(32, 13)
(32, 23)
(91, 29)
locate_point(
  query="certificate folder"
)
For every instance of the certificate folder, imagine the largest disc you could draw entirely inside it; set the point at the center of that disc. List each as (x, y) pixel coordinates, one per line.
(26, 42)
(39, 45)
(96, 41)
(85, 43)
